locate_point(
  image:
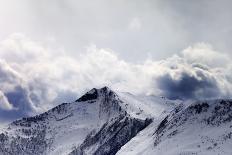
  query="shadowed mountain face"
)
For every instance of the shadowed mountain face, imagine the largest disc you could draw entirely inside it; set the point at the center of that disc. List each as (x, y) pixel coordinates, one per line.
(91, 95)
(111, 137)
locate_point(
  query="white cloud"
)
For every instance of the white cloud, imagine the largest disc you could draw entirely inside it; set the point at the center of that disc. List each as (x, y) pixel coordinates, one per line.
(43, 77)
(17, 48)
(4, 103)
(204, 54)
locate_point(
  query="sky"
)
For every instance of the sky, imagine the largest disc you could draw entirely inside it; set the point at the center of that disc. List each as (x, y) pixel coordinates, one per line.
(54, 51)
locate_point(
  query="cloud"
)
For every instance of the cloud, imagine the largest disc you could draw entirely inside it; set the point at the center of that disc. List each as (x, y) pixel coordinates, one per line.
(199, 73)
(4, 103)
(189, 86)
(15, 95)
(135, 24)
(167, 26)
(204, 54)
(35, 77)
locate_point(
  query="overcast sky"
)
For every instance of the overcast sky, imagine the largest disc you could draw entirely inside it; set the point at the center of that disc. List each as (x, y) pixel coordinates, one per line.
(135, 29)
(51, 51)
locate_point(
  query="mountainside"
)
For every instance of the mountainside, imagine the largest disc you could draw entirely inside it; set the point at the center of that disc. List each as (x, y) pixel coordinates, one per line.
(99, 122)
(104, 122)
(202, 128)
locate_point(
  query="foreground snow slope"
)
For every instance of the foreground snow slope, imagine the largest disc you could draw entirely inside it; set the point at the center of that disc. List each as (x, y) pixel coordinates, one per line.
(202, 128)
(99, 122)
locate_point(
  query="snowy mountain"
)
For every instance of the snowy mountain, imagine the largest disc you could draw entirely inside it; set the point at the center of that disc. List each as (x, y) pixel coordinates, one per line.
(104, 122)
(202, 128)
(99, 122)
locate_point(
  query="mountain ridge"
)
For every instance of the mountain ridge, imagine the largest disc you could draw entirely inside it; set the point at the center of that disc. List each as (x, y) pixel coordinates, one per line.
(45, 132)
(105, 122)
(203, 127)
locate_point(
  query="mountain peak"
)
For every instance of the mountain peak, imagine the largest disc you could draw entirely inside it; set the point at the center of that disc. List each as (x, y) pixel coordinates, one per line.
(94, 93)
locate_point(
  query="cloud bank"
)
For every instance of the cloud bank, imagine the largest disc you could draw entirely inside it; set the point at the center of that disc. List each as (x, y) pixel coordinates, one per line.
(35, 77)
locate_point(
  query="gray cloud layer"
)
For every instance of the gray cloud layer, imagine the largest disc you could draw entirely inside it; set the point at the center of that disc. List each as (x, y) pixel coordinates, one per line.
(133, 28)
(35, 77)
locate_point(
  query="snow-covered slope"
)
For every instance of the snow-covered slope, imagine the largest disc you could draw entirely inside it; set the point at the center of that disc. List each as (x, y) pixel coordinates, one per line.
(202, 128)
(99, 122)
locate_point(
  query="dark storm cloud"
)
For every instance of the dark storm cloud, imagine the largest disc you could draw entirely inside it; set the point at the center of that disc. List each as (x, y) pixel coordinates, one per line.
(199, 73)
(15, 101)
(20, 99)
(188, 86)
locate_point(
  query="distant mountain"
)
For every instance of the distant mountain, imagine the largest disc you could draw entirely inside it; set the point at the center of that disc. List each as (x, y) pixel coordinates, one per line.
(104, 122)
